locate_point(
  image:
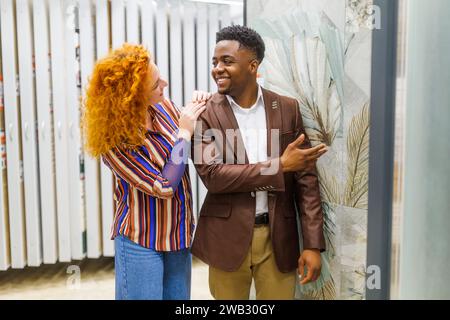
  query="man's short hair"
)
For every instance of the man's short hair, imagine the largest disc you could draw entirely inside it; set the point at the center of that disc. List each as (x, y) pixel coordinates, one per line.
(247, 38)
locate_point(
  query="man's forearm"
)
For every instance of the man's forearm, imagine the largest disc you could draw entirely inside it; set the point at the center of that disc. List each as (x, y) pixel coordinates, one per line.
(231, 178)
(311, 213)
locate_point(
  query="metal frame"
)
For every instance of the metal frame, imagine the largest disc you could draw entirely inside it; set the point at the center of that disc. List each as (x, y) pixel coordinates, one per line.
(245, 13)
(381, 155)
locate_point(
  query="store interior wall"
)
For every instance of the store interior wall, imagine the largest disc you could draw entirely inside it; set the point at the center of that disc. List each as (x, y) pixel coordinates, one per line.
(319, 52)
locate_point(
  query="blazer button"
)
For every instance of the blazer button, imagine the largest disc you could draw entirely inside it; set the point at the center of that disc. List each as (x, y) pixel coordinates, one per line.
(253, 194)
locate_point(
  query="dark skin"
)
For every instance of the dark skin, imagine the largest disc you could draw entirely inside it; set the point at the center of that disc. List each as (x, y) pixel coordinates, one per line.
(235, 71)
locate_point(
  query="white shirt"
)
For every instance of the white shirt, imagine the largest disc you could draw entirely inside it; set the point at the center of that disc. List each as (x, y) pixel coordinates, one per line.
(252, 124)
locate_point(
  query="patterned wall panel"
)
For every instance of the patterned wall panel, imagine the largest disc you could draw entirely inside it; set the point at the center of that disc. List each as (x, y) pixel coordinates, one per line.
(318, 51)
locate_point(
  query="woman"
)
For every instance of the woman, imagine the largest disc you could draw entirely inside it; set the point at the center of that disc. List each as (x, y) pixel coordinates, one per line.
(144, 140)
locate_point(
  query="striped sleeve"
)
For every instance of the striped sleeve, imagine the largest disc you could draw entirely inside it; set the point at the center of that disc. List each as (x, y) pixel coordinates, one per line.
(140, 172)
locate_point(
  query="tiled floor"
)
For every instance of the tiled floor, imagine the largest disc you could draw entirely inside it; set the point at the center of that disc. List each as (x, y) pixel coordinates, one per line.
(87, 279)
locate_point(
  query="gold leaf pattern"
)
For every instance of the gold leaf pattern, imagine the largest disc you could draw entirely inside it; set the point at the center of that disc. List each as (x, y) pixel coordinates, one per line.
(356, 188)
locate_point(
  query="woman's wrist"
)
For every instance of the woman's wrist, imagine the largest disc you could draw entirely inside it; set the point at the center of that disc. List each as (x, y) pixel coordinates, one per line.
(184, 134)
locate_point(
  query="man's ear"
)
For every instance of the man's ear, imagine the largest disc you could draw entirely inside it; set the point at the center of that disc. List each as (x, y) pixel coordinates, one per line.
(254, 65)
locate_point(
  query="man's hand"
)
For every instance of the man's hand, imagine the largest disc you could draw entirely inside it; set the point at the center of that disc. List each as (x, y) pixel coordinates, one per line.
(296, 159)
(311, 259)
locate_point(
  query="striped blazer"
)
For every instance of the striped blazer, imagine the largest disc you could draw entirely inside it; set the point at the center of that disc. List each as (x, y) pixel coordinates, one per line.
(149, 211)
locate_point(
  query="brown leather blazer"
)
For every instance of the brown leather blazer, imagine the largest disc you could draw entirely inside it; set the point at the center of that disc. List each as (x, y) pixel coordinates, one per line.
(225, 227)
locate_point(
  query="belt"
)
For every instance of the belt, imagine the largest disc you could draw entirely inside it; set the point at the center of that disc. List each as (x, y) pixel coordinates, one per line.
(262, 219)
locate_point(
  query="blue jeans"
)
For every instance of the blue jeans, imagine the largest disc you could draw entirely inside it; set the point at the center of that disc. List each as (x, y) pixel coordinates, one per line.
(143, 273)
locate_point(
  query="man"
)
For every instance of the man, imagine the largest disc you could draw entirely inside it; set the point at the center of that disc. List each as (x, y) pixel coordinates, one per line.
(247, 227)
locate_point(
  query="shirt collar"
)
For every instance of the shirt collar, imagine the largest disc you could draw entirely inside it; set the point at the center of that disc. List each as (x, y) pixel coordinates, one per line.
(258, 98)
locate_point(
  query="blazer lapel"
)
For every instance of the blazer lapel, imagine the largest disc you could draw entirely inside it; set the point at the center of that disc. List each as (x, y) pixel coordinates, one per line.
(228, 121)
(273, 123)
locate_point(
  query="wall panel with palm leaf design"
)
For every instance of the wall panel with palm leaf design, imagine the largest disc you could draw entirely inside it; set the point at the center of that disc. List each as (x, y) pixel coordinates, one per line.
(318, 51)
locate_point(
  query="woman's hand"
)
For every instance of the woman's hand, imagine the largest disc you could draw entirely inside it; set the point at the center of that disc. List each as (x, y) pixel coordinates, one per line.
(198, 96)
(188, 117)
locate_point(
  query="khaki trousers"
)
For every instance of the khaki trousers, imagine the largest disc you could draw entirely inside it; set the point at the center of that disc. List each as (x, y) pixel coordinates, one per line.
(260, 265)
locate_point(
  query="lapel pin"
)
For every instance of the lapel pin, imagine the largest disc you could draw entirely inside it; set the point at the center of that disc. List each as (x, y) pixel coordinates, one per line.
(274, 104)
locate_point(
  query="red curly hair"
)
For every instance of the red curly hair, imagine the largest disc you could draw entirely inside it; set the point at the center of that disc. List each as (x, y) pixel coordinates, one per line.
(116, 104)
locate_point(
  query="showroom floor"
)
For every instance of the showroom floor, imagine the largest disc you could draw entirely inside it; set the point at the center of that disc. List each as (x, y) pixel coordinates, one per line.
(88, 280)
